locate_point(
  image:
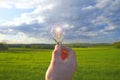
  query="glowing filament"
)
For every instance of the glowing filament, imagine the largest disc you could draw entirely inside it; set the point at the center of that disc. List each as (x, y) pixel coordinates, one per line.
(58, 30)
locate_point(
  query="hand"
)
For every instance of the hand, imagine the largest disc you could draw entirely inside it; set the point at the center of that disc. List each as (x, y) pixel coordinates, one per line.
(63, 64)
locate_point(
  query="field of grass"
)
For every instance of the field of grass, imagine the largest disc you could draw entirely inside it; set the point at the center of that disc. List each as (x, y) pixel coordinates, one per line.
(100, 63)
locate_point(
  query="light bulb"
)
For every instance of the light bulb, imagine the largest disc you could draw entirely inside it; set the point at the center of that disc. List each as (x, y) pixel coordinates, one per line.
(57, 34)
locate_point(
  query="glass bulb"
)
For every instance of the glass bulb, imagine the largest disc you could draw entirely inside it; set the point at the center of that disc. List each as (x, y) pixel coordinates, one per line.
(57, 34)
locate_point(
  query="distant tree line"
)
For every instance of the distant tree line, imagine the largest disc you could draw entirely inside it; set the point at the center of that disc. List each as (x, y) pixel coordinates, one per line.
(87, 45)
(117, 44)
(3, 47)
(33, 46)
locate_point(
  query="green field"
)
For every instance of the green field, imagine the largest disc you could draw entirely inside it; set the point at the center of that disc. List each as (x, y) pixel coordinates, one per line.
(100, 63)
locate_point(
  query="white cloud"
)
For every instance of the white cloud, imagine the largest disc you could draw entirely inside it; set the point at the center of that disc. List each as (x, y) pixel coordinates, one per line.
(84, 28)
(20, 4)
(99, 4)
(21, 37)
(108, 28)
(10, 30)
(102, 3)
(100, 20)
(2, 37)
(41, 8)
(5, 4)
(115, 5)
(89, 34)
(88, 7)
(108, 17)
(37, 15)
(67, 26)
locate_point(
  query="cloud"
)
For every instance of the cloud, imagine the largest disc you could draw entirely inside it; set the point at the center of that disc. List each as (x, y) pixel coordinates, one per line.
(82, 20)
(88, 8)
(30, 18)
(109, 17)
(20, 38)
(19, 3)
(103, 3)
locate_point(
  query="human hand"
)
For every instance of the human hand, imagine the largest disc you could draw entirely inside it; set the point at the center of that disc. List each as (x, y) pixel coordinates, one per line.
(63, 64)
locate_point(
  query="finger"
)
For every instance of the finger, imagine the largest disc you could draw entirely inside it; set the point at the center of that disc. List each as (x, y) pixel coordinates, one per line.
(64, 52)
(56, 46)
(56, 53)
(67, 52)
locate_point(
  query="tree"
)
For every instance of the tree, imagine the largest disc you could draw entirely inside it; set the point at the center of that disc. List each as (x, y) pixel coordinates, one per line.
(117, 44)
(23, 46)
(3, 47)
(34, 46)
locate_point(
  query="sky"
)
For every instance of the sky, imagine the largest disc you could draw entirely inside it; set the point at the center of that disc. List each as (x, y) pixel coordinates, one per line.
(83, 21)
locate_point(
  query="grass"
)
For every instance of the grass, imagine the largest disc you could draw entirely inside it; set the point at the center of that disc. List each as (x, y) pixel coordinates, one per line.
(100, 63)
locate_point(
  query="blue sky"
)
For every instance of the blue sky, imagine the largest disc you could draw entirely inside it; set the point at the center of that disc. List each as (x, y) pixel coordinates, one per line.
(30, 21)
